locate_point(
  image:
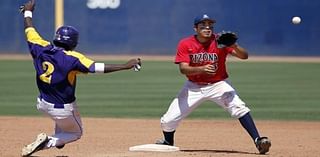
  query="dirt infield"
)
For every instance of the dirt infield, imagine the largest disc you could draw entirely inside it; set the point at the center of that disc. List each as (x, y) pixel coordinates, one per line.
(105, 137)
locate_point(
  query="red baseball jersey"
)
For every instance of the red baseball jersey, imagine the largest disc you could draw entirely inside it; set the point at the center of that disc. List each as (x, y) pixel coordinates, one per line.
(191, 51)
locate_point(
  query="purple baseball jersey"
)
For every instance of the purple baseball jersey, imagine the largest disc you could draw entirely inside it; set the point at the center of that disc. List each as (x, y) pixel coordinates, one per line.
(56, 68)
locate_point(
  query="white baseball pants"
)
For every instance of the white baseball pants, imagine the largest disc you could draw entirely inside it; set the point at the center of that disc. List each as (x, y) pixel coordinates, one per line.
(68, 125)
(192, 95)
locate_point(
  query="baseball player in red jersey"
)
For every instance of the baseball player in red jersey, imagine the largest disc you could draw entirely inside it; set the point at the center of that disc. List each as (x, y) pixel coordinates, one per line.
(203, 62)
(57, 66)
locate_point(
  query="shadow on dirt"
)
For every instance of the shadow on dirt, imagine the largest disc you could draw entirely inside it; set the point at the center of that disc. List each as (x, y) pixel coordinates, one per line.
(216, 151)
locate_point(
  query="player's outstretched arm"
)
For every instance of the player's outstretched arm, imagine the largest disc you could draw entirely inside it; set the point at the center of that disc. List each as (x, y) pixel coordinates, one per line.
(27, 10)
(132, 63)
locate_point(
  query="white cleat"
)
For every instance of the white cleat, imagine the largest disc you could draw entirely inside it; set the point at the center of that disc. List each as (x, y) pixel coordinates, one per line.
(35, 146)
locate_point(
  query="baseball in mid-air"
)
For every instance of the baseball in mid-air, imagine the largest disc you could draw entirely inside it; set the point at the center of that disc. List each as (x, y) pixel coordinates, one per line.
(296, 20)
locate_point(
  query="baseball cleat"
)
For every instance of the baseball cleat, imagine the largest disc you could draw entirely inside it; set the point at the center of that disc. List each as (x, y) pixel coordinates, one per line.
(263, 144)
(163, 142)
(35, 146)
(60, 147)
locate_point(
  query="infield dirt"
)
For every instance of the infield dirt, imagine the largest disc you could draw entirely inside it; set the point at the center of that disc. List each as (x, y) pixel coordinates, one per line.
(108, 137)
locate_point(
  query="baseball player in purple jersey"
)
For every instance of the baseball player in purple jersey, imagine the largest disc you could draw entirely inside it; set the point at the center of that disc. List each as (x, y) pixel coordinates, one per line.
(56, 68)
(203, 62)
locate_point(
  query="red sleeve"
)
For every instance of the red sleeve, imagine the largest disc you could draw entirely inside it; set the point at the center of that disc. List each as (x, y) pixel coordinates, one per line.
(228, 50)
(182, 54)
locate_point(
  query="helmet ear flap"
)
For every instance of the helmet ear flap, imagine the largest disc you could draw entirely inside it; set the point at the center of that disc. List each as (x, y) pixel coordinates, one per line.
(63, 45)
(66, 37)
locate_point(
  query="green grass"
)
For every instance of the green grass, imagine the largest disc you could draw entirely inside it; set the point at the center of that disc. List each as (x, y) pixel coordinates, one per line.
(273, 91)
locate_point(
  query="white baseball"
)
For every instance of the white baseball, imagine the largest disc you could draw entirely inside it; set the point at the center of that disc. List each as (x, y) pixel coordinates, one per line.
(137, 67)
(296, 20)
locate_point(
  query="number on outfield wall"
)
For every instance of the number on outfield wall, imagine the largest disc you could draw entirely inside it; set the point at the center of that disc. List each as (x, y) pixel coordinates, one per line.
(103, 4)
(48, 70)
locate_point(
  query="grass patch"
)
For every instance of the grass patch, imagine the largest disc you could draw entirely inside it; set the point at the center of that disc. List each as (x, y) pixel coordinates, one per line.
(273, 91)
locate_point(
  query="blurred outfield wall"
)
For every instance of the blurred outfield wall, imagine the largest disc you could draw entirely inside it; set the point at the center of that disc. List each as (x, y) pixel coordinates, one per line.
(155, 26)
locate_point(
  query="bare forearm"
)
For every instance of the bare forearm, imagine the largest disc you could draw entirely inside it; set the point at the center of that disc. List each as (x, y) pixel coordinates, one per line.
(117, 67)
(188, 70)
(114, 67)
(240, 52)
(28, 22)
(27, 10)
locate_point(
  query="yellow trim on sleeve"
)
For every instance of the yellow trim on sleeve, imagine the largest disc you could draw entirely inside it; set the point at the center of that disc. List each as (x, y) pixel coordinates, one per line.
(34, 37)
(83, 59)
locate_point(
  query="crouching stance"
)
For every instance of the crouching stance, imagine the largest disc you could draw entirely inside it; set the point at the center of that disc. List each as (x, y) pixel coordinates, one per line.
(56, 67)
(202, 58)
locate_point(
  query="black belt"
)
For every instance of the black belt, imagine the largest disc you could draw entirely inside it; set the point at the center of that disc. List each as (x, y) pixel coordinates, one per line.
(204, 83)
(58, 106)
(54, 105)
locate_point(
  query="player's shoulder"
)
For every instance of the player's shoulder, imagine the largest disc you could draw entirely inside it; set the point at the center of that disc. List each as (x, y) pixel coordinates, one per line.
(75, 54)
(79, 56)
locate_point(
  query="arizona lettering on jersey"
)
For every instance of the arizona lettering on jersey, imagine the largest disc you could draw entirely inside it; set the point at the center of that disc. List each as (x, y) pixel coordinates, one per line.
(191, 51)
(56, 77)
(202, 57)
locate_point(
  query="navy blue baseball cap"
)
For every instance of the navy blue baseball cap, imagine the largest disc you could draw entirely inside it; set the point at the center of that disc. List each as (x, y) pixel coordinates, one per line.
(201, 18)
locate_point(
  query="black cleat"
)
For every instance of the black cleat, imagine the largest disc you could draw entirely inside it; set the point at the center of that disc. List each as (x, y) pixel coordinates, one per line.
(163, 142)
(60, 147)
(263, 144)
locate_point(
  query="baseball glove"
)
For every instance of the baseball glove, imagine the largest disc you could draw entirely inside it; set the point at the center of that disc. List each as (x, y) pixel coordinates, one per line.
(227, 38)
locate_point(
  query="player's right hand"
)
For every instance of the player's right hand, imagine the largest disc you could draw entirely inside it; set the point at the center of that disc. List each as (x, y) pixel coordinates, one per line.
(209, 69)
(30, 5)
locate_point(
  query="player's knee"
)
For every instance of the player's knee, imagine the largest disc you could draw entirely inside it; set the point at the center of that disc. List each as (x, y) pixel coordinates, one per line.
(239, 111)
(234, 105)
(168, 125)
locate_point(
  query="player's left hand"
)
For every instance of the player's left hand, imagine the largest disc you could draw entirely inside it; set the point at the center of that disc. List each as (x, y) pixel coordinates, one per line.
(30, 5)
(227, 38)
